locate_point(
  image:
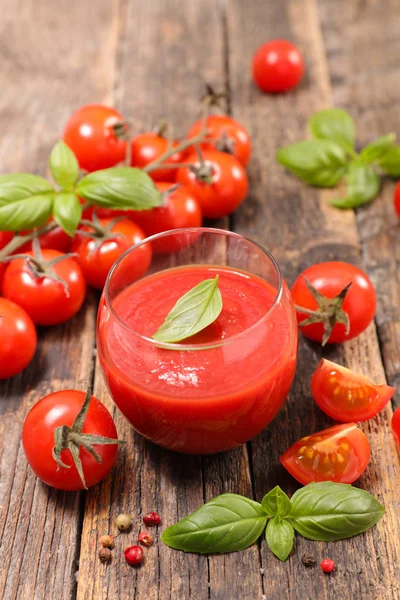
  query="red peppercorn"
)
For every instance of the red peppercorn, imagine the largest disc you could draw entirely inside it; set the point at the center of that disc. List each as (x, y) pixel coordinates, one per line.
(152, 519)
(134, 555)
(327, 565)
(145, 538)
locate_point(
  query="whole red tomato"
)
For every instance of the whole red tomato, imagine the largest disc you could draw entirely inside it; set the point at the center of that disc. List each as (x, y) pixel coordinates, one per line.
(181, 210)
(18, 339)
(329, 279)
(47, 301)
(225, 134)
(96, 257)
(277, 66)
(89, 133)
(148, 147)
(38, 439)
(396, 426)
(396, 199)
(226, 189)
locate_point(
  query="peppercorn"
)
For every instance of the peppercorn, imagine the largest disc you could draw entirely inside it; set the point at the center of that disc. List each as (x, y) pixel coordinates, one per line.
(107, 541)
(327, 565)
(104, 554)
(308, 560)
(151, 519)
(145, 538)
(123, 522)
(134, 555)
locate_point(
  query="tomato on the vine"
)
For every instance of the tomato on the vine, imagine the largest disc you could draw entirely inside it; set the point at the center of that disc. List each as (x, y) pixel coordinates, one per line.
(347, 396)
(340, 453)
(181, 209)
(396, 426)
(96, 255)
(219, 182)
(396, 199)
(5, 238)
(59, 411)
(333, 312)
(90, 134)
(51, 292)
(277, 66)
(18, 339)
(225, 134)
(148, 147)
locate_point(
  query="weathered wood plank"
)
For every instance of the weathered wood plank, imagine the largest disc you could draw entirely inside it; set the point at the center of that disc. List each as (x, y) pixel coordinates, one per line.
(48, 68)
(298, 226)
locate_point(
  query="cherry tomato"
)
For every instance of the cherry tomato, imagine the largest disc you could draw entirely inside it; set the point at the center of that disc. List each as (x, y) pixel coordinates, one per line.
(45, 300)
(347, 396)
(2, 269)
(96, 263)
(396, 199)
(147, 147)
(55, 410)
(277, 66)
(329, 278)
(181, 210)
(5, 238)
(18, 339)
(90, 135)
(226, 134)
(396, 426)
(228, 187)
(340, 453)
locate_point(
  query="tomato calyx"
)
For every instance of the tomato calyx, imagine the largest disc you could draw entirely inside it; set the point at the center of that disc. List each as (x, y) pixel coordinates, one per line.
(72, 438)
(211, 98)
(225, 143)
(203, 172)
(167, 193)
(100, 233)
(329, 311)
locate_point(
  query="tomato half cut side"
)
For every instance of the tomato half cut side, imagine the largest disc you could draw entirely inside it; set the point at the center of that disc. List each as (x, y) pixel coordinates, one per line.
(347, 396)
(340, 453)
(396, 426)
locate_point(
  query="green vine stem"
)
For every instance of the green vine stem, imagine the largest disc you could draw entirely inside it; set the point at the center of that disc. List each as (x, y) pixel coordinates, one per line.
(156, 164)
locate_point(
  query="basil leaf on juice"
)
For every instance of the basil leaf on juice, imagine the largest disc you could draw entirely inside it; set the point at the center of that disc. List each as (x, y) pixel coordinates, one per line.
(225, 524)
(336, 125)
(280, 537)
(194, 311)
(276, 502)
(362, 186)
(64, 166)
(390, 161)
(329, 511)
(317, 162)
(67, 211)
(378, 148)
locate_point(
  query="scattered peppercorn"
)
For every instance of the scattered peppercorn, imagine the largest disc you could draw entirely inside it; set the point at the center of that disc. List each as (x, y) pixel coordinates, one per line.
(151, 519)
(134, 555)
(107, 541)
(308, 560)
(104, 554)
(327, 565)
(123, 522)
(145, 538)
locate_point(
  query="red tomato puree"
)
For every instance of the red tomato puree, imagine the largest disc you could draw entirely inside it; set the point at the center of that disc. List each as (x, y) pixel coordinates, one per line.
(199, 400)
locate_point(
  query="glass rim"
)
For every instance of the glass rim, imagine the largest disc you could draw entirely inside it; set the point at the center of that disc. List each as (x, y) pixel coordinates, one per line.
(204, 346)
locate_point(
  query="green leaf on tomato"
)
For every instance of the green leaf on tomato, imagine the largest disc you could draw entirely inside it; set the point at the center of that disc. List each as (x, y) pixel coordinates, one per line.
(280, 536)
(377, 149)
(363, 186)
(26, 201)
(64, 166)
(67, 212)
(336, 125)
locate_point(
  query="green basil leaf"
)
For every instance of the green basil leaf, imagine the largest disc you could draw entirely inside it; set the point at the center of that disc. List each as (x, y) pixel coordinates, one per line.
(67, 212)
(120, 187)
(224, 524)
(362, 186)
(378, 148)
(26, 201)
(194, 311)
(64, 166)
(390, 162)
(280, 536)
(329, 511)
(276, 502)
(317, 162)
(336, 125)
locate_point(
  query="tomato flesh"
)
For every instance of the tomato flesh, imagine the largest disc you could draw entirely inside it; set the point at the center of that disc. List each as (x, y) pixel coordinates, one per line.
(340, 453)
(396, 426)
(347, 396)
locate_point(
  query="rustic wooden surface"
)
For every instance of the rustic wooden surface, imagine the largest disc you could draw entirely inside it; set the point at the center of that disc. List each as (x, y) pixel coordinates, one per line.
(150, 59)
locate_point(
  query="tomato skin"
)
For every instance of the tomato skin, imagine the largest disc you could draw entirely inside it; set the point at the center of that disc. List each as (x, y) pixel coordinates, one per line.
(182, 210)
(220, 125)
(96, 265)
(18, 339)
(89, 133)
(330, 278)
(396, 199)
(44, 299)
(61, 408)
(228, 188)
(347, 396)
(2, 269)
(396, 427)
(340, 453)
(277, 66)
(5, 238)
(147, 147)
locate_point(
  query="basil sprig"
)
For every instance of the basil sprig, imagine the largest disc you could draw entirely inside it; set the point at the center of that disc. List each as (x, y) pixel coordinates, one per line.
(323, 511)
(28, 201)
(194, 311)
(331, 156)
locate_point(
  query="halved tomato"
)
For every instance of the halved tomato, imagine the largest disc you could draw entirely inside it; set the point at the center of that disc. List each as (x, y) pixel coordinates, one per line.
(340, 453)
(347, 396)
(396, 426)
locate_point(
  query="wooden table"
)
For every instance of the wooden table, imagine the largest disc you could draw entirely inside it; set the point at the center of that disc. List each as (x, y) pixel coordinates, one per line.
(150, 59)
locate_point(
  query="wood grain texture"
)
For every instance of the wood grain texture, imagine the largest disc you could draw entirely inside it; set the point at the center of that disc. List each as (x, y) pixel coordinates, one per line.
(45, 76)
